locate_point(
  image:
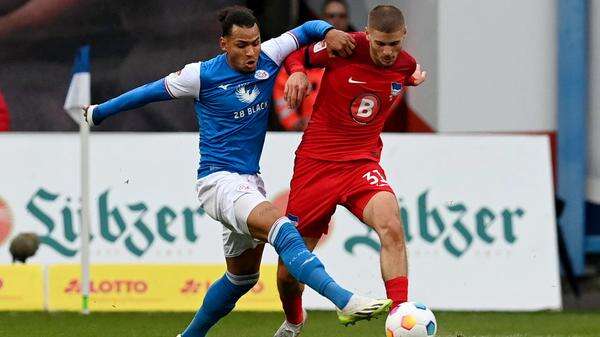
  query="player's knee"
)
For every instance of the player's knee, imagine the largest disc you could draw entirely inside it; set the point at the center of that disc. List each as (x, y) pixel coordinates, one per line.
(244, 282)
(261, 218)
(391, 232)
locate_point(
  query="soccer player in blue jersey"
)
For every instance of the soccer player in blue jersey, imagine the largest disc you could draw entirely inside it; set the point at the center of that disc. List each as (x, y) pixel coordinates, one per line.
(232, 95)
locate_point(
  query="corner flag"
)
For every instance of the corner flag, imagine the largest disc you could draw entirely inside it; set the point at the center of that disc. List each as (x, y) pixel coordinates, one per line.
(78, 95)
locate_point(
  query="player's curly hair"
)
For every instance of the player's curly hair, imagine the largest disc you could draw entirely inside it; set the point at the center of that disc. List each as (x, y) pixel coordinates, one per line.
(386, 18)
(235, 15)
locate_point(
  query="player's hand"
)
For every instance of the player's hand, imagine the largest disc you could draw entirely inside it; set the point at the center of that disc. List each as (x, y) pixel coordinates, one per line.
(419, 76)
(339, 43)
(87, 114)
(296, 88)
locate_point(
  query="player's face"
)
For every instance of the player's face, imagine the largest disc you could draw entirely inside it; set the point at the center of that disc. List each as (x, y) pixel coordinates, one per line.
(242, 47)
(385, 47)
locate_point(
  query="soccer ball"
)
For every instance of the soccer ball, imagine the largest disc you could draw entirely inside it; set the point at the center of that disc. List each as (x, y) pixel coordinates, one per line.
(410, 319)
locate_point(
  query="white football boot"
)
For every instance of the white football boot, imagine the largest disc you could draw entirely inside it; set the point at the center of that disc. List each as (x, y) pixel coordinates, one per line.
(291, 330)
(361, 307)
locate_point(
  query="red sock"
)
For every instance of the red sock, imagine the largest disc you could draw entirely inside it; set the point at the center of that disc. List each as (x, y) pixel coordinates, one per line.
(292, 307)
(397, 290)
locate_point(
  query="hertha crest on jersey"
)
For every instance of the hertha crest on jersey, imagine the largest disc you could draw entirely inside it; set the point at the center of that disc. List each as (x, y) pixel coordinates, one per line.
(396, 88)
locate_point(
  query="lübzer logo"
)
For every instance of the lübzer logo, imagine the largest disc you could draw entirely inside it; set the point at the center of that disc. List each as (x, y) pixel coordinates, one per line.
(5, 221)
(364, 108)
(261, 74)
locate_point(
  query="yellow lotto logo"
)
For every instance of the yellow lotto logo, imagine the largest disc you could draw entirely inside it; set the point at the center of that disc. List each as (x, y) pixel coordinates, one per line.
(21, 287)
(151, 287)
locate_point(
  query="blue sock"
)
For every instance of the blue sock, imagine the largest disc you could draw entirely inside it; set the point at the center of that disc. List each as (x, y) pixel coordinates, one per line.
(220, 299)
(304, 265)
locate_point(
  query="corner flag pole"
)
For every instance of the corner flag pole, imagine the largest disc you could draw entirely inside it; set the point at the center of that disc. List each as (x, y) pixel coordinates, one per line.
(84, 133)
(78, 97)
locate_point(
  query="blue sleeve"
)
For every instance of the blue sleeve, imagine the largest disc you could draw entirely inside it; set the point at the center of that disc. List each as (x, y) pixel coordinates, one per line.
(151, 92)
(311, 31)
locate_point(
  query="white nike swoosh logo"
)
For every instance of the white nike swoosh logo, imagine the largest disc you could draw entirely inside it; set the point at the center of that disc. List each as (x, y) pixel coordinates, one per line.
(307, 261)
(224, 86)
(350, 80)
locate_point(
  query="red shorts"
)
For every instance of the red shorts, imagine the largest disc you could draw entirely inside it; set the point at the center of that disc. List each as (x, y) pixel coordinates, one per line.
(318, 186)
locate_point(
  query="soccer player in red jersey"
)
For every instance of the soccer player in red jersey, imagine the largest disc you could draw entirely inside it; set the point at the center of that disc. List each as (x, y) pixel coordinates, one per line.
(337, 162)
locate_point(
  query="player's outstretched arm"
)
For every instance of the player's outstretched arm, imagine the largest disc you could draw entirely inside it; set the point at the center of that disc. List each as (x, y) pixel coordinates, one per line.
(337, 42)
(311, 31)
(140, 96)
(184, 83)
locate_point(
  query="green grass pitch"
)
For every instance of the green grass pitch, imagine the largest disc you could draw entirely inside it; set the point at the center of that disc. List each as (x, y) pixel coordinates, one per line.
(320, 324)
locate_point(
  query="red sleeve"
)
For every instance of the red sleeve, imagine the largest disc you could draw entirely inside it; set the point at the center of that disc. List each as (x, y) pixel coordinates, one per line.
(410, 81)
(295, 62)
(312, 56)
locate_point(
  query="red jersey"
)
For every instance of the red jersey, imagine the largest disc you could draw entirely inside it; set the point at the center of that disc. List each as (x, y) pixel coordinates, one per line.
(353, 103)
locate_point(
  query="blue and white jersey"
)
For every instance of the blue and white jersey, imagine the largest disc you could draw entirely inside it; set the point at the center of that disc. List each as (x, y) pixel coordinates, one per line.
(231, 107)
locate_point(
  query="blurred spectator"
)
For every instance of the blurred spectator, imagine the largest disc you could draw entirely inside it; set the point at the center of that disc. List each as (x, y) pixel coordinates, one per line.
(336, 13)
(296, 119)
(4, 116)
